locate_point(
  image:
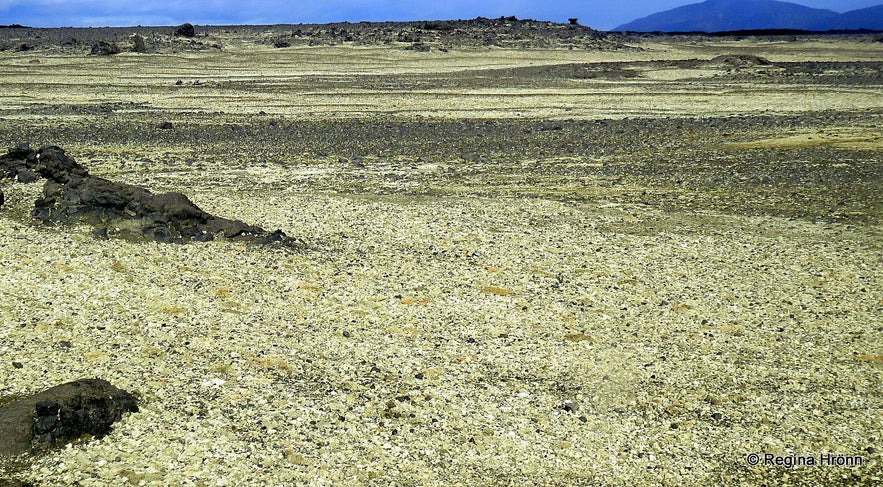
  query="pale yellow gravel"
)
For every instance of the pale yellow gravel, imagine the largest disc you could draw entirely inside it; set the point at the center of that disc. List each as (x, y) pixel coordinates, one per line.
(435, 341)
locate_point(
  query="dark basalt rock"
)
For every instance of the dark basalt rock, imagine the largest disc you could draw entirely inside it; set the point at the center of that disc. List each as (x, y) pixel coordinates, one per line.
(14, 483)
(739, 60)
(53, 164)
(102, 48)
(185, 30)
(64, 413)
(138, 43)
(71, 194)
(14, 161)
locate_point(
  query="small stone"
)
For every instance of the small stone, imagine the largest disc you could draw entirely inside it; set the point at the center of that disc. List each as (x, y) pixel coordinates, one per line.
(717, 416)
(570, 406)
(347, 334)
(17, 365)
(164, 125)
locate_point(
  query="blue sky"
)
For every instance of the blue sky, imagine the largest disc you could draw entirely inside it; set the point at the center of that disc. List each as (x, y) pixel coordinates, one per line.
(599, 14)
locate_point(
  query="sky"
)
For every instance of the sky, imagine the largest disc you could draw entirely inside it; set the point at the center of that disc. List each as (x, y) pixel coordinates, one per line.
(598, 14)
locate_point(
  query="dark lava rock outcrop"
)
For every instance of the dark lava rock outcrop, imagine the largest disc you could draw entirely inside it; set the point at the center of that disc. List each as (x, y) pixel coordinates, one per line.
(103, 48)
(185, 30)
(71, 194)
(138, 43)
(61, 414)
(740, 60)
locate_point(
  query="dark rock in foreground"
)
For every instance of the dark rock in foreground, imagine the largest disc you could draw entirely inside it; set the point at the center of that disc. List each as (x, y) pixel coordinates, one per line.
(14, 483)
(64, 413)
(71, 194)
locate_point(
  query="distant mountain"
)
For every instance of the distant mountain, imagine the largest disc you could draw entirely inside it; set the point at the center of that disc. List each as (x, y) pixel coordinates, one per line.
(866, 18)
(722, 15)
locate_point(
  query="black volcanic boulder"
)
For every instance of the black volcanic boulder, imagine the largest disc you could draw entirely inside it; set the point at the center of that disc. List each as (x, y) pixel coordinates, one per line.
(166, 217)
(56, 416)
(103, 48)
(71, 194)
(53, 164)
(185, 30)
(15, 161)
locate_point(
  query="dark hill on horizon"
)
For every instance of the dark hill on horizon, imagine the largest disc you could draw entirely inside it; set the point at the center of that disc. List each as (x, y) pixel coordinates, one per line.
(870, 18)
(732, 15)
(423, 36)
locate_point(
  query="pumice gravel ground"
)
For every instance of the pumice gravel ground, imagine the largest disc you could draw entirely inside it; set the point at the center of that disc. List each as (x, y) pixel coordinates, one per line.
(602, 261)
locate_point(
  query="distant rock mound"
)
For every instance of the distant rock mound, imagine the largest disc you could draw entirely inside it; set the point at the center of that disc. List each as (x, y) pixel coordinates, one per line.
(186, 30)
(102, 48)
(741, 60)
(441, 35)
(138, 44)
(71, 194)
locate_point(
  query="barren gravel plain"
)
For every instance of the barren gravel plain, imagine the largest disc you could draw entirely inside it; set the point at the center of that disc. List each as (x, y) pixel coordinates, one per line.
(534, 255)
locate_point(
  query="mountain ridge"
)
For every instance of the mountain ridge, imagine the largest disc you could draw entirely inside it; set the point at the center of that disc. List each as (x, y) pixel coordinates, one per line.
(732, 15)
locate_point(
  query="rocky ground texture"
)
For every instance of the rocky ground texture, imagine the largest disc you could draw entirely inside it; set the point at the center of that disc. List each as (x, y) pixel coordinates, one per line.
(584, 260)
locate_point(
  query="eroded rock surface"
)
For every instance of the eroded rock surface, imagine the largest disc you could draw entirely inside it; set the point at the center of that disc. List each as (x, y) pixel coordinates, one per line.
(71, 194)
(63, 413)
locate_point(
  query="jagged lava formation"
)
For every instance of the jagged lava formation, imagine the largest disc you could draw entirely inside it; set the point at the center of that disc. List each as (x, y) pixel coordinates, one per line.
(71, 194)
